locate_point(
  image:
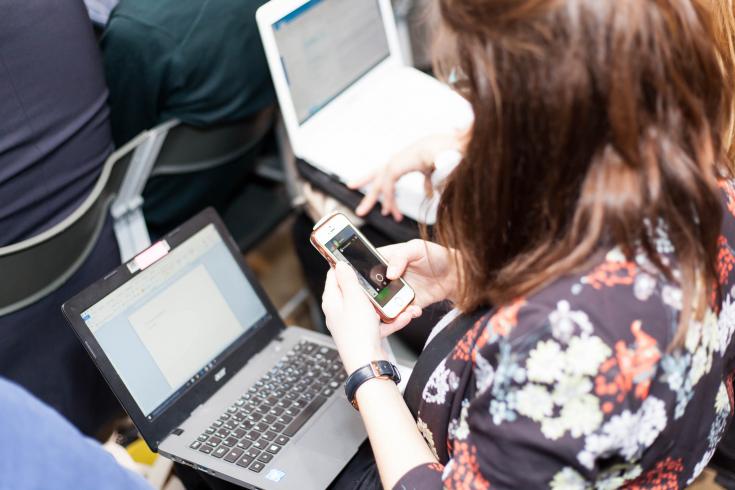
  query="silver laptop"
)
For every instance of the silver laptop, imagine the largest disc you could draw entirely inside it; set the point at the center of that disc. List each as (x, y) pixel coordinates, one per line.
(348, 101)
(208, 372)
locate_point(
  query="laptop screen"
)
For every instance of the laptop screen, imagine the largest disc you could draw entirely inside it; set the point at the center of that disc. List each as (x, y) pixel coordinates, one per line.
(326, 46)
(175, 320)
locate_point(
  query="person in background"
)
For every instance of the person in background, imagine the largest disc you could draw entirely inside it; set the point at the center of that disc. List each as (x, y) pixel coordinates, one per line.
(586, 239)
(54, 140)
(199, 62)
(40, 450)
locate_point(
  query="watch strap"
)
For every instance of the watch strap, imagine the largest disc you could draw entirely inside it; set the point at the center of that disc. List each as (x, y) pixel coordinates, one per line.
(376, 369)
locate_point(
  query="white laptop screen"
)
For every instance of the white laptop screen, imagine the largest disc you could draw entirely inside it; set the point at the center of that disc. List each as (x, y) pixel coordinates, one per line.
(326, 46)
(163, 328)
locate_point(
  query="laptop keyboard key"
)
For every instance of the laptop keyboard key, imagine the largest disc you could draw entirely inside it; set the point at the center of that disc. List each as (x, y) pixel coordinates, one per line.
(244, 444)
(285, 419)
(202, 437)
(269, 435)
(260, 427)
(234, 455)
(257, 466)
(206, 449)
(281, 440)
(244, 461)
(214, 441)
(269, 419)
(230, 441)
(284, 403)
(260, 444)
(273, 448)
(195, 444)
(222, 432)
(265, 458)
(252, 435)
(277, 427)
(299, 421)
(253, 453)
(220, 451)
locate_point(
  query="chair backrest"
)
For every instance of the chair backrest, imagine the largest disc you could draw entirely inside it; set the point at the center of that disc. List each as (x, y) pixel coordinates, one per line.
(189, 149)
(37, 266)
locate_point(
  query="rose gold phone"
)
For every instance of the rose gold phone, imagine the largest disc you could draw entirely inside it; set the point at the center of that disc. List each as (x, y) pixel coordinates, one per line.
(337, 239)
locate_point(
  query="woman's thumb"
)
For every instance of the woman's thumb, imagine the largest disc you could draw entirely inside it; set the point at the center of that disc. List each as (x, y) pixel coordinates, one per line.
(347, 279)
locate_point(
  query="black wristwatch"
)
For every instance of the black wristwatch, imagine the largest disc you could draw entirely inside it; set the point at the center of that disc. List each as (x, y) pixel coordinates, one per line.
(376, 369)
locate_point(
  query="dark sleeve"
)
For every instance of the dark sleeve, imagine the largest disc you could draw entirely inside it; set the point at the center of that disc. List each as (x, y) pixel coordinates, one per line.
(42, 450)
(137, 62)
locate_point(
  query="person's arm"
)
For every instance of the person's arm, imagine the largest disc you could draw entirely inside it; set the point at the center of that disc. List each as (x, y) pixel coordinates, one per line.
(421, 156)
(397, 444)
(41, 450)
(137, 59)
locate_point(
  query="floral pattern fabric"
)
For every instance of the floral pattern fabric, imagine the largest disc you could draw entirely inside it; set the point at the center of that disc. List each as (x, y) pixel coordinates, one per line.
(576, 386)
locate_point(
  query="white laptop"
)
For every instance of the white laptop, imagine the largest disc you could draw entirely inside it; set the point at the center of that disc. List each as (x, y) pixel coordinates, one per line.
(348, 101)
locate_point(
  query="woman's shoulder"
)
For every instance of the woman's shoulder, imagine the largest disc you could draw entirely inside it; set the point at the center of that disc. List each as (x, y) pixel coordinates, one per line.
(614, 298)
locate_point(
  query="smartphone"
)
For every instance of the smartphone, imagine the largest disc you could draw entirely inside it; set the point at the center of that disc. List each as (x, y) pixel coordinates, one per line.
(337, 239)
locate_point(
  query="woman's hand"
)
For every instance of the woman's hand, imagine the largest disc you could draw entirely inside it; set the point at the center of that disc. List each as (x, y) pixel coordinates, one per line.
(428, 267)
(419, 157)
(353, 321)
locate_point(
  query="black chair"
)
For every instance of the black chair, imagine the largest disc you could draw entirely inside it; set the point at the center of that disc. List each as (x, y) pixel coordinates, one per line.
(252, 204)
(40, 265)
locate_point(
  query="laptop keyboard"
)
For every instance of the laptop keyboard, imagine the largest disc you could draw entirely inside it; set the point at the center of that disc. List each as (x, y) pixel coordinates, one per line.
(263, 420)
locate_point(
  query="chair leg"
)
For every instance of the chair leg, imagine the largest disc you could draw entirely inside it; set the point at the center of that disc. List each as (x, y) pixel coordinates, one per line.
(292, 304)
(289, 164)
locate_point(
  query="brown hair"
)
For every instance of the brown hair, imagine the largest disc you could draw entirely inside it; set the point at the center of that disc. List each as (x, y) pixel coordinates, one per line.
(724, 15)
(595, 120)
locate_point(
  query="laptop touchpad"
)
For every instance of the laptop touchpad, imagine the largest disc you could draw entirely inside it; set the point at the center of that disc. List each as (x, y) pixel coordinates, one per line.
(337, 431)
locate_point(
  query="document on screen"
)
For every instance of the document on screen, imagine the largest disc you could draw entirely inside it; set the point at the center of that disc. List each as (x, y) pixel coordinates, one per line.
(186, 326)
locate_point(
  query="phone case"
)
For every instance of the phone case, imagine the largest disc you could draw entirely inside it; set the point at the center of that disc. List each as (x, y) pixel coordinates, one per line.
(383, 317)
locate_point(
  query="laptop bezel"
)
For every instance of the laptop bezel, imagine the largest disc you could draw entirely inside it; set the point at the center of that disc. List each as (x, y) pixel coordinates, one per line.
(273, 11)
(156, 430)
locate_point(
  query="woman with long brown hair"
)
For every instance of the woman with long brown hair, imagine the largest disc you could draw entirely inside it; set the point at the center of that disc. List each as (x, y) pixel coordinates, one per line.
(585, 240)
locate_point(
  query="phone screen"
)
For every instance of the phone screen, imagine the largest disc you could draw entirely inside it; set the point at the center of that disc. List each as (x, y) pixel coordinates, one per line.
(349, 247)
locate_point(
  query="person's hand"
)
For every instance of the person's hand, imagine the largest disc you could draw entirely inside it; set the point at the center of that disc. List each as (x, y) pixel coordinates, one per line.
(419, 157)
(429, 268)
(352, 320)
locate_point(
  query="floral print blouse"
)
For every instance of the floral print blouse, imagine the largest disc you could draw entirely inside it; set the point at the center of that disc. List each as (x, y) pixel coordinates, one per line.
(575, 386)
